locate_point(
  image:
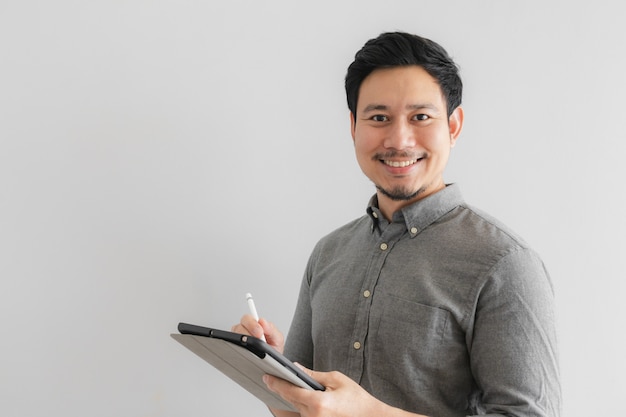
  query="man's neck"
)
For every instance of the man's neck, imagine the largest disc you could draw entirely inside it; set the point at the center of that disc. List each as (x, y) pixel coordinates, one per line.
(389, 206)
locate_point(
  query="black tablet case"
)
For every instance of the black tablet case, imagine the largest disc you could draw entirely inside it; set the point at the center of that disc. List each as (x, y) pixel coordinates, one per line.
(244, 359)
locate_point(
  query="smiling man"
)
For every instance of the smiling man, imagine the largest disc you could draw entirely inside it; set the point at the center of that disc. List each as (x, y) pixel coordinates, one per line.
(424, 306)
(403, 135)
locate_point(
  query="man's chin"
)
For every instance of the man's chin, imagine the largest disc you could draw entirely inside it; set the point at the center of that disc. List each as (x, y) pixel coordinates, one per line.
(399, 194)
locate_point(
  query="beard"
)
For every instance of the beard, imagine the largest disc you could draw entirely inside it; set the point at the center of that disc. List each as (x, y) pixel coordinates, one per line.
(400, 193)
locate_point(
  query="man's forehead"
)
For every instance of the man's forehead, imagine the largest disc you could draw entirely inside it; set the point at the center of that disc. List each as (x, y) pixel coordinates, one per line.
(409, 84)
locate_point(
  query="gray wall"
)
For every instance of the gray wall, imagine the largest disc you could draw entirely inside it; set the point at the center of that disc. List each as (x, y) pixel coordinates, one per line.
(159, 159)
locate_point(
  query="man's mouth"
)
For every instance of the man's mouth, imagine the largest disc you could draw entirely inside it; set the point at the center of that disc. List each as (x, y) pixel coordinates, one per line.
(399, 164)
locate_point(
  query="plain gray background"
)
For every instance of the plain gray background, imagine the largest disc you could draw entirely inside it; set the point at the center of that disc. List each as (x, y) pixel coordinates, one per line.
(159, 159)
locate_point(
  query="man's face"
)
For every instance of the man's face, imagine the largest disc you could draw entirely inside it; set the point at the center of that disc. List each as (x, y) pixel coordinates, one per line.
(402, 134)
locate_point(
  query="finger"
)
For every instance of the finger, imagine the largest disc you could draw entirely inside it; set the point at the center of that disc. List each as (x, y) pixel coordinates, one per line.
(254, 327)
(248, 325)
(329, 380)
(238, 328)
(306, 370)
(273, 336)
(288, 391)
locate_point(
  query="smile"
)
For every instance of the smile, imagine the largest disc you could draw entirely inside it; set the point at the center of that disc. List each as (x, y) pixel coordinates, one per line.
(399, 164)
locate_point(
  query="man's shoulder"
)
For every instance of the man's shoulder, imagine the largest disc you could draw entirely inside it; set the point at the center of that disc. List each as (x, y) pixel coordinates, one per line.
(480, 244)
(471, 226)
(348, 230)
(344, 236)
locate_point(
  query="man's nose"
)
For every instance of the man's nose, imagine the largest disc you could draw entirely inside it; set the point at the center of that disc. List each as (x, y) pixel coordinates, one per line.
(399, 136)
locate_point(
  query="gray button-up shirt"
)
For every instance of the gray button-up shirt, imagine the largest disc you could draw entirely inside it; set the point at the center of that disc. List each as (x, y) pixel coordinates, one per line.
(443, 312)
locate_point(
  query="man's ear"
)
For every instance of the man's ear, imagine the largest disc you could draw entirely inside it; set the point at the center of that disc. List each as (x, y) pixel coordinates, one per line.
(455, 124)
(352, 125)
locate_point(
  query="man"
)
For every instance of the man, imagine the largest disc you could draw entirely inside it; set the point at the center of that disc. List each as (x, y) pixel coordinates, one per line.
(423, 306)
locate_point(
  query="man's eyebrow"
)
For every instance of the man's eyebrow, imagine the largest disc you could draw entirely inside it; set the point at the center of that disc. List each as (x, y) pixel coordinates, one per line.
(427, 106)
(374, 107)
(383, 107)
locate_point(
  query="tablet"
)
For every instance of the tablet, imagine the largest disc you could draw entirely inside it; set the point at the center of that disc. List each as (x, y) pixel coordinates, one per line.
(245, 359)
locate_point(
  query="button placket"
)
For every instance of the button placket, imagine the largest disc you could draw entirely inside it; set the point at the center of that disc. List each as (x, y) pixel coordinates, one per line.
(388, 237)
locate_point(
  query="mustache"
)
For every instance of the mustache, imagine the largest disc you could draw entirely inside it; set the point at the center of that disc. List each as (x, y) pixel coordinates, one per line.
(398, 154)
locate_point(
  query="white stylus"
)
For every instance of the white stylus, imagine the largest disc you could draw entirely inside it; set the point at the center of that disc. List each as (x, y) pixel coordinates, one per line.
(253, 311)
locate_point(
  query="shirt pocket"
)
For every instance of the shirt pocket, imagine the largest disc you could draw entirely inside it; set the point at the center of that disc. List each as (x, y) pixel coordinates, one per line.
(408, 344)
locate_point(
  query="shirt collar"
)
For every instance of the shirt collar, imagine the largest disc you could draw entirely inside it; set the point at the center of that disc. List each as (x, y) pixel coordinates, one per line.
(421, 214)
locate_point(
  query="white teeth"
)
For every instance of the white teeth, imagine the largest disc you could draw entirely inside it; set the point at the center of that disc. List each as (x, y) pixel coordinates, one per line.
(400, 164)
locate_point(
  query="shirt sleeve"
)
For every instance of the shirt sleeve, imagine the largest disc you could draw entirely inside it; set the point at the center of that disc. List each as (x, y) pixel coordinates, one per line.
(299, 341)
(512, 345)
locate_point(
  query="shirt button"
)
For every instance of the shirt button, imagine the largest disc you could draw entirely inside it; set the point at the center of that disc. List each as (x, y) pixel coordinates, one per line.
(375, 215)
(366, 293)
(357, 345)
(413, 230)
(383, 246)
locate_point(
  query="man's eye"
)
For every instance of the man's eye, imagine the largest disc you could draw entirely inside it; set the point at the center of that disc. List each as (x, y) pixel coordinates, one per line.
(379, 118)
(421, 117)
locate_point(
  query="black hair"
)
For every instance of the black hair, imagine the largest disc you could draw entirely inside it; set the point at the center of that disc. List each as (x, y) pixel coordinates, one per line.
(394, 49)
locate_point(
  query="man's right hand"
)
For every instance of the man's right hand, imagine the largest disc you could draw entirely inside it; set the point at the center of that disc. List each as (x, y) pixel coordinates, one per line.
(248, 325)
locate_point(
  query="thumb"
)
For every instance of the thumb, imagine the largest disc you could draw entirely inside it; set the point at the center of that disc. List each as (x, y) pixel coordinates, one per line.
(304, 368)
(323, 378)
